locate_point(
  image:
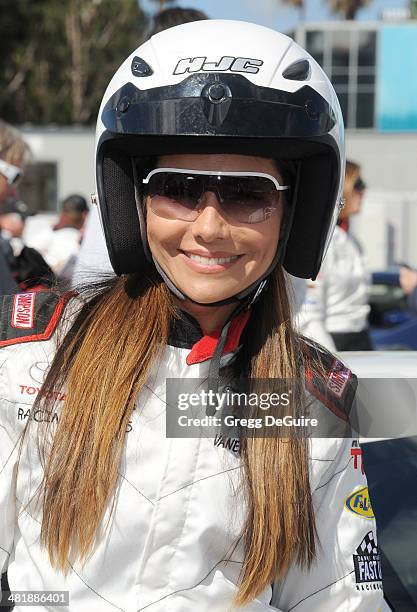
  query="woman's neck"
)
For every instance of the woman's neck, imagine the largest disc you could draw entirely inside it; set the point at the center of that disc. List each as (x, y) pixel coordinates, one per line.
(209, 318)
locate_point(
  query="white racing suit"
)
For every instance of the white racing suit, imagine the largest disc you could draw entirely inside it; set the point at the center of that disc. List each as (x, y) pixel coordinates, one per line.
(177, 515)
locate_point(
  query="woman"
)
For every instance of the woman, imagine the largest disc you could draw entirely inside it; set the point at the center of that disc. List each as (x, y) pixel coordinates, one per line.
(336, 309)
(127, 517)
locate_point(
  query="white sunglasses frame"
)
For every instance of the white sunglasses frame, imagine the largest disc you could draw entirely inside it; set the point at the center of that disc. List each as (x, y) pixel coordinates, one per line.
(10, 172)
(278, 187)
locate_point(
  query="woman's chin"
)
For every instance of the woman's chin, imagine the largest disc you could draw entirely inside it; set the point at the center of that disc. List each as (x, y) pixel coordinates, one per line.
(206, 295)
(209, 293)
(206, 300)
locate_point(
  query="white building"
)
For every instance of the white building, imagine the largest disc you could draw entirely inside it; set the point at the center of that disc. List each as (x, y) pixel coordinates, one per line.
(372, 67)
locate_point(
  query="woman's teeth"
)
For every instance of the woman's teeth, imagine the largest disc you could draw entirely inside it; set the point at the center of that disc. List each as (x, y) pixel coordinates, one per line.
(211, 261)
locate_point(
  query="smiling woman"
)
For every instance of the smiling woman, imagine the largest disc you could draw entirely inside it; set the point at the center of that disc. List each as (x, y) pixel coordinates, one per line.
(209, 183)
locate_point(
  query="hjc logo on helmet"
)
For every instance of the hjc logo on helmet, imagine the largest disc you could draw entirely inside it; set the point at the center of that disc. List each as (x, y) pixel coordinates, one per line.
(234, 64)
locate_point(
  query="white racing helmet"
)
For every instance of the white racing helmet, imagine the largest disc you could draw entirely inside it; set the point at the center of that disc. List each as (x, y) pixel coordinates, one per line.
(219, 86)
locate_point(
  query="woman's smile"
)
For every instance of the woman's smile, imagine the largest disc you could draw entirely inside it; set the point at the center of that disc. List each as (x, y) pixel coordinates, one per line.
(209, 262)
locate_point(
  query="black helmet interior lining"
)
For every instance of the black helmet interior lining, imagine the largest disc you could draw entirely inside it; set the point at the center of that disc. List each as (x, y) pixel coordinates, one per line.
(319, 169)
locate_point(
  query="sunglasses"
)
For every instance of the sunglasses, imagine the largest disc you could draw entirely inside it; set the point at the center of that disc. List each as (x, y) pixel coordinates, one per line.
(246, 197)
(359, 185)
(10, 172)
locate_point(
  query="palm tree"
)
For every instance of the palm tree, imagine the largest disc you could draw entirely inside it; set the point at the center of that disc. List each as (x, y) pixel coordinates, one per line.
(347, 8)
(162, 3)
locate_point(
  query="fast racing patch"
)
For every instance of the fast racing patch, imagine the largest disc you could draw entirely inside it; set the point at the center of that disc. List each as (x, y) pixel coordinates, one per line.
(367, 564)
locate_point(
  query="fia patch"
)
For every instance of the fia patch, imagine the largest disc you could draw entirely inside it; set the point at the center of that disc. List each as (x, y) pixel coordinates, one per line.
(23, 310)
(367, 564)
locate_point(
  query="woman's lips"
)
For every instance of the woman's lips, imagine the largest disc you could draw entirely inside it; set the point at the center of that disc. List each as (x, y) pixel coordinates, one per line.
(204, 263)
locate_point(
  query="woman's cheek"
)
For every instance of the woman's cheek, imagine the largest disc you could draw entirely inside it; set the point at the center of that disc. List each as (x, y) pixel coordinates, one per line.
(162, 235)
(262, 244)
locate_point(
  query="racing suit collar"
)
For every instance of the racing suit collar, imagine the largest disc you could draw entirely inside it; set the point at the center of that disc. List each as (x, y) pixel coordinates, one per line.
(186, 332)
(344, 224)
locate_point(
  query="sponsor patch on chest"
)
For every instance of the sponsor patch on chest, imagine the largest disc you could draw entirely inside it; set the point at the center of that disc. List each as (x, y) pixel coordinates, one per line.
(23, 311)
(359, 503)
(367, 565)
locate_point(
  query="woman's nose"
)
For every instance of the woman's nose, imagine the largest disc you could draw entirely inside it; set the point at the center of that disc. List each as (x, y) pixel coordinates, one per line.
(210, 224)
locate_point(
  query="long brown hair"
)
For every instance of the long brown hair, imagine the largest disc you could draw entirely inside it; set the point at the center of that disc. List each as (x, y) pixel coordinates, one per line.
(103, 362)
(280, 524)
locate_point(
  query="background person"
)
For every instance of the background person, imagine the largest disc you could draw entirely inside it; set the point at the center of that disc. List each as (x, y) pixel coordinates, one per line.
(408, 282)
(198, 234)
(61, 243)
(14, 155)
(336, 309)
(28, 268)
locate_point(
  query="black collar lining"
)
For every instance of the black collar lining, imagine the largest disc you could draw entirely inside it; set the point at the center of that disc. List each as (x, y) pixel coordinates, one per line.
(185, 331)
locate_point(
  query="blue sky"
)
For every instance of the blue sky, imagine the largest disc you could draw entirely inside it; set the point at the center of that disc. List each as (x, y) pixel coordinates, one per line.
(274, 13)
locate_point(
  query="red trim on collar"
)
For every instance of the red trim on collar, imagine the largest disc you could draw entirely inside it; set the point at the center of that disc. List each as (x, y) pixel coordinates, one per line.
(344, 224)
(204, 349)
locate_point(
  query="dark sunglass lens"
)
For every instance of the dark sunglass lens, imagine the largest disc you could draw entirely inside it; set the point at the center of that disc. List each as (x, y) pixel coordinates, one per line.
(175, 195)
(359, 185)
(155, 186)
(249, 193)
(183, 188)
(237, 186)
(250, 199)
(173, 187)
